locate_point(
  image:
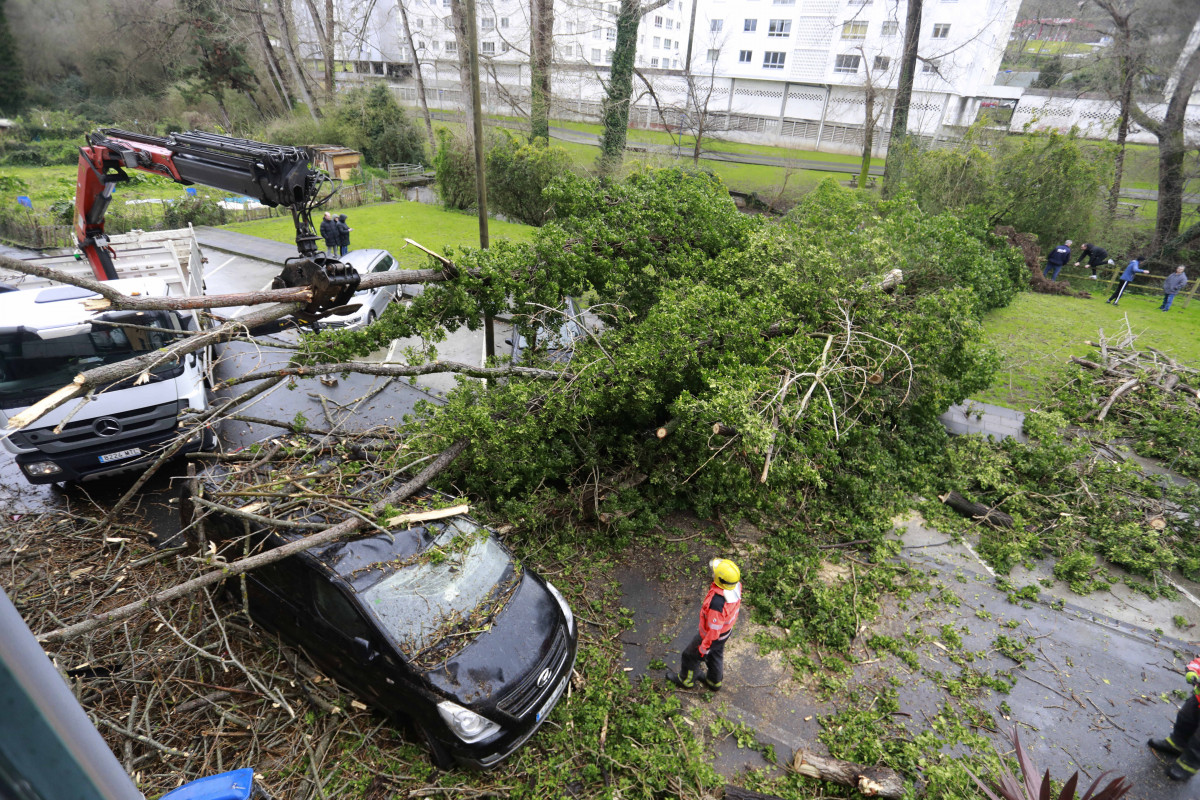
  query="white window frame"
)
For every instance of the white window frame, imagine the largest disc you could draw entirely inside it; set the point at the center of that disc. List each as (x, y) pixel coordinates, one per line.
(774, 59)
(941, 30)
(596, 55)
(715, 26)
(882, 63)
(847, 63)
(891, 27)
(658, 22)
(487, 48)
(779, 28)
(746, 57)
(654, 63)
(750, 26)
(487, 23)
(452, 46)
(713, 54)
(854, 30)
(931, 66)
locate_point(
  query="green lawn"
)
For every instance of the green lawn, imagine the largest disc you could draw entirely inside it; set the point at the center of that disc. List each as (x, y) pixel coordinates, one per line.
(1038, 333)
(387, 225)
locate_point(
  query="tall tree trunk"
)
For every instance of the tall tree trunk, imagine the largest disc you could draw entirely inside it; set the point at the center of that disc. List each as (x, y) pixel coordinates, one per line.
(462, 38)
(868, 131)
(272, 61)
(620, 85)
(1171, 148)
(289, 54)
(330, 43)
(898, 142)
(1114, 194)
(541, 56)
(412, 48)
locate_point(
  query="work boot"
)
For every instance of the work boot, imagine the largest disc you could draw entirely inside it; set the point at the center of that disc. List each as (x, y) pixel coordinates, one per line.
(1178, 772)
(1164, 746)
(685, 680)
(713, 686)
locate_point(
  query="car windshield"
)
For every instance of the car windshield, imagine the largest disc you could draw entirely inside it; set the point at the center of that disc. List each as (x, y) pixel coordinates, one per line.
(32, 366)
(452, 587)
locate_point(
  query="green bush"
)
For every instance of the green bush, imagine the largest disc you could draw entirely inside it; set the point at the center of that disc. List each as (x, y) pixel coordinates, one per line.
(454, 166)
(41, 153)
(193, 210)
(517, 174)
(379, 128)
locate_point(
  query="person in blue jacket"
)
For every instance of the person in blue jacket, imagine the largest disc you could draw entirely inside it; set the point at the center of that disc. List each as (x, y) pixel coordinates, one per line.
(1172, 286)
(1131, 272)
(1057, 259)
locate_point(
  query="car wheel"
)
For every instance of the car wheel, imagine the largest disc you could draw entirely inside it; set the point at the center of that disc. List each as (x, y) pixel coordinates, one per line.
(439, 754)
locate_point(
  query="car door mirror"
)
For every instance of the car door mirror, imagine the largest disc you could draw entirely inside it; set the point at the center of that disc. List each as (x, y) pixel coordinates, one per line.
(365, 650)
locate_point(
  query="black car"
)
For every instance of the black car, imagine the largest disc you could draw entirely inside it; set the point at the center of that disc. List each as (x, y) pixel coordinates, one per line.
(436, 624)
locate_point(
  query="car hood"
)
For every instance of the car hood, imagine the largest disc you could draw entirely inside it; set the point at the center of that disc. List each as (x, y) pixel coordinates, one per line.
(516, 643)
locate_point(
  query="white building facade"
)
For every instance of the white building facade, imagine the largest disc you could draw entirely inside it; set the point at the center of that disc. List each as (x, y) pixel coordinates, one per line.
(782, 71)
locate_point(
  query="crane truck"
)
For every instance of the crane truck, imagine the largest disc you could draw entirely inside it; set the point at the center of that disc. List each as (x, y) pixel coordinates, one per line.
(48, 334)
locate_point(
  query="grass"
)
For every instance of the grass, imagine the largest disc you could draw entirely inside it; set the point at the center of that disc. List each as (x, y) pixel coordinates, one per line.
(386, 225)
(1037, 334)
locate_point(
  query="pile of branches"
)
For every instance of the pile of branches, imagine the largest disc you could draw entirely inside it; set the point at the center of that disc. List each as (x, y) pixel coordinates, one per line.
(1027, 243)
(1121, 371)
(185, 689)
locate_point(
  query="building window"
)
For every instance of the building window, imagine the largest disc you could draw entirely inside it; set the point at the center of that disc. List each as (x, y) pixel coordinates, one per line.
(611, 34)
(654, 62)
(666, 44)
(420, 22)
(713, 54)
(882, 63)
(570, 26)
(931, 65)
(437, 46)
(611, 9)
(451, 47)
(890, 28)
(488, 23)
(504, 22)
(854, 30)
(420, 45)
(716, 25)
(773, 60)
(745, 56)
(595, 54)
(860, 2)
(445, 3)
(658, 22)
(783, 2)
(596, 34)
(488, 48)
(941, 31)
(847, 64)
(779, 27)
(658, 41)
(750, 25)
(608, 57)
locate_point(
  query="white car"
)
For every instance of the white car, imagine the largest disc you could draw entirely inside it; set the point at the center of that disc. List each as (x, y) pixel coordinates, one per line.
(373, 301)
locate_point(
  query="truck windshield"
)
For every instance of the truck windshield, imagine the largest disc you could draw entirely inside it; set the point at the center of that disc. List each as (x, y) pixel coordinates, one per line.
(453, 587)
(31, 366)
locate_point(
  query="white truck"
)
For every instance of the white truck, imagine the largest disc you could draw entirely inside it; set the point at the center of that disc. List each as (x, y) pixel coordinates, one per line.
(47, 336)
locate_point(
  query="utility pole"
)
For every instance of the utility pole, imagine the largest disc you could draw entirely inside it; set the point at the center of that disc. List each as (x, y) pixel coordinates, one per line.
(480, 177)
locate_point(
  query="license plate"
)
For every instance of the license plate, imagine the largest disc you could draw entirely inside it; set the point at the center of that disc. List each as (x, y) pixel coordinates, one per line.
(549, 705)
(120, 454)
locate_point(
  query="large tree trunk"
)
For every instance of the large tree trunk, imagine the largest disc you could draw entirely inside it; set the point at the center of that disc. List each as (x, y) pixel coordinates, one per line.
(272, 61)
(330, 40)
(868, 131)
(289, 54)
(412, 48)
(541, 56)
(897, 143)
(620, 85)
(463, 42)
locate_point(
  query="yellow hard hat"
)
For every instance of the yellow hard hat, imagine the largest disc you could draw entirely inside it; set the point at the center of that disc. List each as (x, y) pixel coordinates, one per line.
(725, 573)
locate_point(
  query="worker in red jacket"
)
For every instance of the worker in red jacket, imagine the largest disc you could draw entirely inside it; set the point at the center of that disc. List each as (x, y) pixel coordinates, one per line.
(718, 612)
(1184, 740)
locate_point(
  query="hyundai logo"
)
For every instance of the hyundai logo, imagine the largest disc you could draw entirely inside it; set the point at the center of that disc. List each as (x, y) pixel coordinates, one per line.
(544, 678)
(107, 426)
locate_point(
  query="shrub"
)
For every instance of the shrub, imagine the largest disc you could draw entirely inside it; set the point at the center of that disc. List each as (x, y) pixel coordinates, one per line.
(194, 210)
(454, 165)
(379, 128)
(518, 172)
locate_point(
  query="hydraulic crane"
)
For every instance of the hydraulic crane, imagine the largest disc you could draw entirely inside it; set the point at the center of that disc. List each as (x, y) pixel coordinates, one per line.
(275, 175)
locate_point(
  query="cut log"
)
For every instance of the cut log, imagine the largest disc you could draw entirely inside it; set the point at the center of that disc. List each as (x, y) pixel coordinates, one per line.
(1083, 362)
(723, 430)
(1169, 382)
(976, 511)
(870, 781)
(890, 281)
(663, 431)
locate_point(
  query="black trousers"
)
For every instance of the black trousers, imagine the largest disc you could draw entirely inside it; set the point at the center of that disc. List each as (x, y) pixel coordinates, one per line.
(1183, 736)
(1115, 297)
(714, 661)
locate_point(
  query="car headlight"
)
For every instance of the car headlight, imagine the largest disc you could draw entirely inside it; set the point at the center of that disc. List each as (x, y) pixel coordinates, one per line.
(40, 469)
(562, 602)
(465, 723)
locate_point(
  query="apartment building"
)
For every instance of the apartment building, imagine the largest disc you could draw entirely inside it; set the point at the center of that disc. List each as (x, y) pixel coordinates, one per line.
(768, 70)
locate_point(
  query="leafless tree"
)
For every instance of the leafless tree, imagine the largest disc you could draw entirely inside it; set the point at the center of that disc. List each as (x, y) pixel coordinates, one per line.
(417, 73)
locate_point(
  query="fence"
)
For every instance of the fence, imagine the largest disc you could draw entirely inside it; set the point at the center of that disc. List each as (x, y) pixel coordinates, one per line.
(1145, 285)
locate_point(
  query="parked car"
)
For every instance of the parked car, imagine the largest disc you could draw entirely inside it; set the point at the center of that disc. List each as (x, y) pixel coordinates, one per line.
(373, 301)
(436, 624)
(557, 343)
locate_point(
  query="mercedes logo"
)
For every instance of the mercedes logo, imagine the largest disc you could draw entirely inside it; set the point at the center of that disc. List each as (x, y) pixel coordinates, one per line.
(107, 426)
(544, 678)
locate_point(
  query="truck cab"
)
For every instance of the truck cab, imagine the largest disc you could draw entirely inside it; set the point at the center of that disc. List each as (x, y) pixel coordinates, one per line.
(49, 334)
